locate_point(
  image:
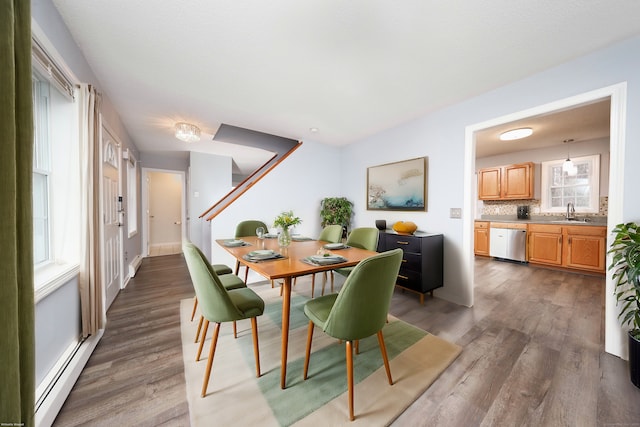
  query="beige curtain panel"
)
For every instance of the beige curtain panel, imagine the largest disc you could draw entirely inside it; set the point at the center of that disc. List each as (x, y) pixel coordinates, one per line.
(17, 343)
(90, 278)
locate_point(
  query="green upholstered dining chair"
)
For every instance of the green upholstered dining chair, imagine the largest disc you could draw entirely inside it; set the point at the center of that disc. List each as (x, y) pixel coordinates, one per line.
(220, 305)
(358, 311)
(244, 229)
(228, 280)
(220, 270)
(329, 234)
(363, 238)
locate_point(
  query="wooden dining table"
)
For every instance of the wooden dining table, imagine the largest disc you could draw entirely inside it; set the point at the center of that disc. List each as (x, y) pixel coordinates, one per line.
(288, 267)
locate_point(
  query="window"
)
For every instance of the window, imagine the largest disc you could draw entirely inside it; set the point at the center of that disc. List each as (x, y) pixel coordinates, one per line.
(132, 195)
(41, 170)
(56, 183)
(581, 189)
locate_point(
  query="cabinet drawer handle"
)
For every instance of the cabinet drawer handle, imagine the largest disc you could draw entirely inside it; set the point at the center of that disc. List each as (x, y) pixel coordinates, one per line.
(404, 260)
(402, 243)
(400, 276)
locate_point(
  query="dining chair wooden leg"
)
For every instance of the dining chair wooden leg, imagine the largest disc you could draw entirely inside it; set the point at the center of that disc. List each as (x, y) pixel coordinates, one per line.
(357, 346)
(212, 351)
(199, 328)
(195, 305)
(331, 273)
(313, 283)
(349, 353)
(246, 274)
(308, 350)
(202, 339)
(237, 267)
(256, 349)
(383, 350)
(235, 330)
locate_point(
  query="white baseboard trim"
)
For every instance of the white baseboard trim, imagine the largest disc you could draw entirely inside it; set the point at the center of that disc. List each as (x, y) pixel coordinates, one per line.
(134, 265)
(51, 405)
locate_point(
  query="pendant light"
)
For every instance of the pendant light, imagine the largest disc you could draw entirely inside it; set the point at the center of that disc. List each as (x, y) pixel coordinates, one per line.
(568, 167)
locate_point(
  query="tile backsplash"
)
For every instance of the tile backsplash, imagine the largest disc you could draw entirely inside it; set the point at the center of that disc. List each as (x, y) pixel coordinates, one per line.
(510, 207)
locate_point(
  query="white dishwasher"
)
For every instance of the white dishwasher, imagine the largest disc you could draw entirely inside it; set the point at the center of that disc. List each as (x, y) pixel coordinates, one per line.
(508, 243)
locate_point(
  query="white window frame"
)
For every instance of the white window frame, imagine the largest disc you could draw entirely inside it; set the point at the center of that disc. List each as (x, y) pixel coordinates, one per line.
(132, 194)
(41, 167)
(592, 164)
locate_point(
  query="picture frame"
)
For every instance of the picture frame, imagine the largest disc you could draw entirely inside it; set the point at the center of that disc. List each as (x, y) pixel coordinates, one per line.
(398, 186)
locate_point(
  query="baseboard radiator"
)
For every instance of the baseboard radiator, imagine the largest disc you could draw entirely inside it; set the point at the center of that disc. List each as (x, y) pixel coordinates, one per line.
(134, 265)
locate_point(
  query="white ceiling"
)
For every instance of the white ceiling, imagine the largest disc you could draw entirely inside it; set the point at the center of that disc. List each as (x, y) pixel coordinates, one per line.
(348, 68)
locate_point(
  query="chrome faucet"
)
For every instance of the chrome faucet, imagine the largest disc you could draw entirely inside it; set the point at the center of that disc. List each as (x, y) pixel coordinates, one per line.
(571, 211)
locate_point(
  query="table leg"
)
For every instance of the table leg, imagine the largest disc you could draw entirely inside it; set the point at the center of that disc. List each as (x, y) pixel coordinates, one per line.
(286, 307)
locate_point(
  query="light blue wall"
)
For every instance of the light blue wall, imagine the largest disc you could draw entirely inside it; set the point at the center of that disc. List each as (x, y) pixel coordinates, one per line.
(441, 137)
(210, 179)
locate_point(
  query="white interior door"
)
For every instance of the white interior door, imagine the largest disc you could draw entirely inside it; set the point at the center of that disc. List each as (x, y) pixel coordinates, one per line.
(111, 224)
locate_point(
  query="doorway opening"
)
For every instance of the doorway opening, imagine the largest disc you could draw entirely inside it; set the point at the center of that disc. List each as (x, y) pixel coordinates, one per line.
(163, 198)
(614, 336)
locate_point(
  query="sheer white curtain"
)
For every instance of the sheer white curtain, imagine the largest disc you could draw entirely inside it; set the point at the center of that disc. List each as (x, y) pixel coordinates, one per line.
(93, 316)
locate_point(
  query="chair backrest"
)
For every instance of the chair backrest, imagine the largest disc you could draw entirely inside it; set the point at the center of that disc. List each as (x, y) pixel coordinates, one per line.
(215, 303)
(363, 302)
(331, 234)
(248, 228)
(364, 238)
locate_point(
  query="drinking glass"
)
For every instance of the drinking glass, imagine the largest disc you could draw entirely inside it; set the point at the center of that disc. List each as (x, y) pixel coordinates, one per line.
(260, 232)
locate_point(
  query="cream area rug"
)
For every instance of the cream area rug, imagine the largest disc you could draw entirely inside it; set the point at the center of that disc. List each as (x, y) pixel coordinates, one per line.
(236, 397)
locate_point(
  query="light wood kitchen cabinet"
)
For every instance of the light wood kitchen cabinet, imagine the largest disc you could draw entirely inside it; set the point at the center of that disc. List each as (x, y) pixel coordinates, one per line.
(545, 244)
(481, 238)
(585, 247)
(581, 247)
(510, 182)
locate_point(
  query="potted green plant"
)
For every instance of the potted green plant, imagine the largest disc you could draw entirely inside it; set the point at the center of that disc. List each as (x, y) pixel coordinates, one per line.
(626, 277)
(336, 210)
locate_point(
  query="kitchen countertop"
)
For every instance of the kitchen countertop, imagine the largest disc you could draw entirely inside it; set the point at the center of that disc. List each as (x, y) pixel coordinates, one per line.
(543, 219)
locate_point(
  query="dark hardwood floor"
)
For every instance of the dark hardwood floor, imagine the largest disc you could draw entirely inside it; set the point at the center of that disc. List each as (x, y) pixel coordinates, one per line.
(533, 354)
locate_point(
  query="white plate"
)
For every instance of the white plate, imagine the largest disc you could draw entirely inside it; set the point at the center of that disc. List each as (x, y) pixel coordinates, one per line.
(334, 245)
(321, 258)
(262, 253)
(234, 242)
(270, 235)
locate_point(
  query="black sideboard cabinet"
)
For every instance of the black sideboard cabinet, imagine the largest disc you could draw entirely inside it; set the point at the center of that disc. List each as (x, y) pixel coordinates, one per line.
(422, 268)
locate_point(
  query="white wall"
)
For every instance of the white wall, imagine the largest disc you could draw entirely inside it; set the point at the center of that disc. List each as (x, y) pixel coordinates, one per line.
(209, 181)
(307, 176)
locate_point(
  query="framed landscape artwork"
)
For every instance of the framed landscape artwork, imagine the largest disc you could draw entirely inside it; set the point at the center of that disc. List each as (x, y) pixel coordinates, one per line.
(399, 186)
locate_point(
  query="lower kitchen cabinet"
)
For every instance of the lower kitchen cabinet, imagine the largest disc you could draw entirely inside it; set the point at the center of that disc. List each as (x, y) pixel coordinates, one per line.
(545, 244)
(481, 238)
(585, 247)
(579, 247)
(422, 267)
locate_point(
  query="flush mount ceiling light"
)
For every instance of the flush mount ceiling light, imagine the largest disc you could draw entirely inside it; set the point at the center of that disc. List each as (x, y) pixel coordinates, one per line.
(512, 134)
(187, 132)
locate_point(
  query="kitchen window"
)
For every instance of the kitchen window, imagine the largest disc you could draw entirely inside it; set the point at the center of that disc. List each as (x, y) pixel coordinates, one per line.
(560, 188)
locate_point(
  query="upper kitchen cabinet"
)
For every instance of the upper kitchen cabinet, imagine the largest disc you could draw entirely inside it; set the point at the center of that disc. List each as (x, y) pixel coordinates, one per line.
(510, 182)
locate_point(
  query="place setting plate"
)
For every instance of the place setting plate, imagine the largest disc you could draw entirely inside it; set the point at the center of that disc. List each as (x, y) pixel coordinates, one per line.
(235, 243)
(325, 259)
(334, 246)
(262, 255)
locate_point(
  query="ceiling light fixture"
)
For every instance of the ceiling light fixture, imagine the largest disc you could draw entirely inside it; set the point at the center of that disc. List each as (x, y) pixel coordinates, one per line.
(512, 134)
(187, 132)
(568, 167)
